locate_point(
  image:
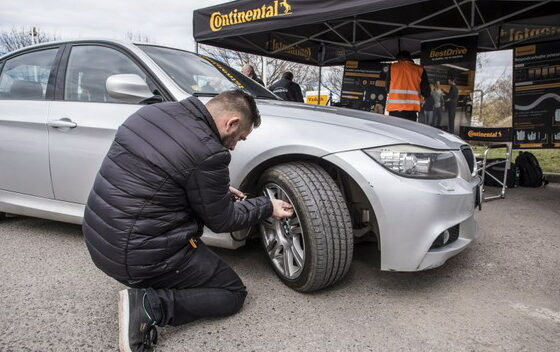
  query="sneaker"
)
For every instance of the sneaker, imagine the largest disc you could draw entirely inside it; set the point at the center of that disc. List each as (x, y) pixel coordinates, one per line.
(137, 329)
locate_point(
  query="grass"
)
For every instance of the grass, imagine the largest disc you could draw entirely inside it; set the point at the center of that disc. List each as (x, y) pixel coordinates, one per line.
(549, 159)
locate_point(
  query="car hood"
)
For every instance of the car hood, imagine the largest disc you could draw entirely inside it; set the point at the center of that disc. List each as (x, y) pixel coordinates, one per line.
(387, 129)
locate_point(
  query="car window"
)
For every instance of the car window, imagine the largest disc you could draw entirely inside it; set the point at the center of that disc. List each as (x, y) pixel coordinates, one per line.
(25, 77)
(88, 70)
(199, 74)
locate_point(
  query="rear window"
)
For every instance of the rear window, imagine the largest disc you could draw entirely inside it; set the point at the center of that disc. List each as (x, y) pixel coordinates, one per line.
(25, 77)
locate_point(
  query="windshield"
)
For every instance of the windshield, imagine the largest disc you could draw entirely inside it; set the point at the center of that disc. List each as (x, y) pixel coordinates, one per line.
(202, 75)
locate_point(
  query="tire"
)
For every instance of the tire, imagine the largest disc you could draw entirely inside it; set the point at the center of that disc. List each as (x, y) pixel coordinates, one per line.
(320, 228)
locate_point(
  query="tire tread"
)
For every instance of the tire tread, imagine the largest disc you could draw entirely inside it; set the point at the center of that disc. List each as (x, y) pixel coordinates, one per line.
(330, 220)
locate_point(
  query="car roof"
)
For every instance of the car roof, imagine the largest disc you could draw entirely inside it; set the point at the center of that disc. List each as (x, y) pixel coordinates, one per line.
(121, 43)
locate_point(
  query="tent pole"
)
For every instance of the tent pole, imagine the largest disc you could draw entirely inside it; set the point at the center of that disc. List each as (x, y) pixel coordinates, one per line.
(319, 90)
(263, 67)
(196, 48)
(321, 62)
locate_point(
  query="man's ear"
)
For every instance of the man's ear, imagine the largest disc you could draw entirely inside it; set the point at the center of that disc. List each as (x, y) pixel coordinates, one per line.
(233, 122)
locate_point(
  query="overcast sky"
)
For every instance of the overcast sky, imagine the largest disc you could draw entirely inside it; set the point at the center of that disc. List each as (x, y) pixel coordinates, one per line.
(166, 22)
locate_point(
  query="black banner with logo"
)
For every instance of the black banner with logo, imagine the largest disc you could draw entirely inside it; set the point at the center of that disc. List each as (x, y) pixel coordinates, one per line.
(449, 59)
(460, 51)
(486, 134)
(363, 86)
(536, 96)
(519, 34)
(284, 44)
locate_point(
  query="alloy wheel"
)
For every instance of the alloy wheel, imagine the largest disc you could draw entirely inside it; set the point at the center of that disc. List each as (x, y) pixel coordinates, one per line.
(283, 239)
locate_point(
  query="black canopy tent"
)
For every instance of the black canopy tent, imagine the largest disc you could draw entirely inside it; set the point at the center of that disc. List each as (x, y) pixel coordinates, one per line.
(329, 32)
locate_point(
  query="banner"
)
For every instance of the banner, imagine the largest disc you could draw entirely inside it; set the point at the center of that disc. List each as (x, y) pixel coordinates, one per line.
(311, 97)
(363, 86)
(285, 44)
(521, 34)
(536, 96)
(486, 134)
(452, 59)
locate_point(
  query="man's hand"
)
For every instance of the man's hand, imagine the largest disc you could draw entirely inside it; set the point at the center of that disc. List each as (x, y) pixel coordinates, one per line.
(281, 209)
(237, 193)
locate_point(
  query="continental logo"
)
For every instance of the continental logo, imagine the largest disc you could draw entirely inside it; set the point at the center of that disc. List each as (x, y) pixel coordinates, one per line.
(526, 50)
(276, 8)
(351, 64)
(517, 35)
(448, 50)
(479, 134)
(278, 45)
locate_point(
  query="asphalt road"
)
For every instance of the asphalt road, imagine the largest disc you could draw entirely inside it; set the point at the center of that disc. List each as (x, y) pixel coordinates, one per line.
(503, 293)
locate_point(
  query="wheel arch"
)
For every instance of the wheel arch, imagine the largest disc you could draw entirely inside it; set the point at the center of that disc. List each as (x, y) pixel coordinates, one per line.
(355, 197)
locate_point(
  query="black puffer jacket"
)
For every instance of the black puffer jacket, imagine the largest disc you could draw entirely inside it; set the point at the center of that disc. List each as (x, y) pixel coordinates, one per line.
(287, 90)
(164, 177)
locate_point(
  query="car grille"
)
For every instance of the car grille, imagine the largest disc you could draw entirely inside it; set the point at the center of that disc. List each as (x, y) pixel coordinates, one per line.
(469, 156)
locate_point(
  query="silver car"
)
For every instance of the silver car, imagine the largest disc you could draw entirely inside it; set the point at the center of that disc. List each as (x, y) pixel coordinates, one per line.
(351, 175)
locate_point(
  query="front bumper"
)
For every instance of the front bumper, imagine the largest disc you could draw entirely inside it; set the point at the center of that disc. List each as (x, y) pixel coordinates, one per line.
(412, 213)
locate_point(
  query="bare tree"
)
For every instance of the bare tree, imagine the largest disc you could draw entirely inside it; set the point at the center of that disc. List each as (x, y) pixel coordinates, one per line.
(482, 60)
(138, 37)
(17, 38)
(332, 78)
(306, 76)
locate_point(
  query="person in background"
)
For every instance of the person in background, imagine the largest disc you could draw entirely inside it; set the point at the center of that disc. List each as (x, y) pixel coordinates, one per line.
(428, 108)
(286, 88)
(451, 102)
(437, 96)
(249, 71)
(406, 84)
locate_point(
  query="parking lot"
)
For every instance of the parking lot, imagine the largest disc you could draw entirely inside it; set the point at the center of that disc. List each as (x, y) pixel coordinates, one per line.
(502, 293)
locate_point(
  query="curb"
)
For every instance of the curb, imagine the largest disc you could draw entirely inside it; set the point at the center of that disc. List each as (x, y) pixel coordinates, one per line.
(553, 178)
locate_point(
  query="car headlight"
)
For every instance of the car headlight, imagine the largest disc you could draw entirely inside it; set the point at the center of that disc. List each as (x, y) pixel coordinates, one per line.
(417, 162)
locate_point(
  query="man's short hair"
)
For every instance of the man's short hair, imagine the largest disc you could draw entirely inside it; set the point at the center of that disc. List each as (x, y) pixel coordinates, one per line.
(404, 55)
(238, 101)
(288, 75)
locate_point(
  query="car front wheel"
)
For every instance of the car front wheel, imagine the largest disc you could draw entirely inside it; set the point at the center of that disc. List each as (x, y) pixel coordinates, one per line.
(312, 249)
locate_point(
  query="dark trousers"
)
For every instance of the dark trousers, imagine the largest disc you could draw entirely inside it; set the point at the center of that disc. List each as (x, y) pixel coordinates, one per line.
(437, 117)
(203, 286)
(429, 117)
(451, 107)
(409, 115)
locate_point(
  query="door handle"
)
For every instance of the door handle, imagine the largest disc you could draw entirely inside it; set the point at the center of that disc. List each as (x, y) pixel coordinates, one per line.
(62, 123)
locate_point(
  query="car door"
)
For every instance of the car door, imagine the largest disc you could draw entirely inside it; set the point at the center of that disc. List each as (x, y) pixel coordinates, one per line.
(83, 122)
(26, 89)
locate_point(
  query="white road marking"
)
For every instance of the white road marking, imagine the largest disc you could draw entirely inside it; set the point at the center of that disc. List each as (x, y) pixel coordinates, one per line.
(537, 312)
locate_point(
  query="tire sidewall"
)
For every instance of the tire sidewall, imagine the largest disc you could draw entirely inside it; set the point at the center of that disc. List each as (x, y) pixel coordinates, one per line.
(310, 261)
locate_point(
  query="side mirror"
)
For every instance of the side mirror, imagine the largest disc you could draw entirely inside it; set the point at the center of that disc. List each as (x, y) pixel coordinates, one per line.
(129, 88)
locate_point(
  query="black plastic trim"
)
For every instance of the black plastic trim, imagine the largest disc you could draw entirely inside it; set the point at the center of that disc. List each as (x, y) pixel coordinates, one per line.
(51, 85)
(61, 74)
(468, 154)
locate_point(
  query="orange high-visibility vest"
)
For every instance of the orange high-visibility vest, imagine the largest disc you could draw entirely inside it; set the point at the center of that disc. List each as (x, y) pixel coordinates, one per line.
(404, 88)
